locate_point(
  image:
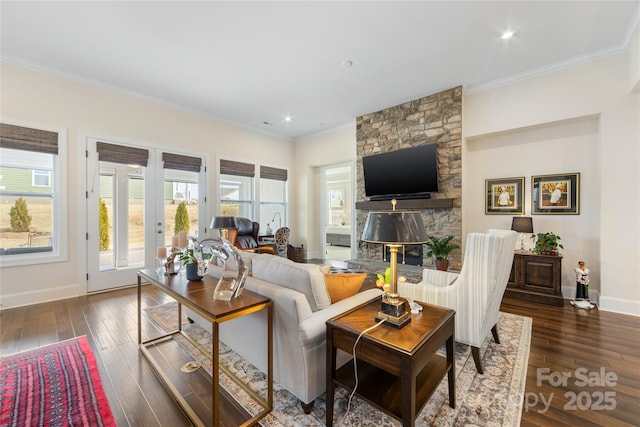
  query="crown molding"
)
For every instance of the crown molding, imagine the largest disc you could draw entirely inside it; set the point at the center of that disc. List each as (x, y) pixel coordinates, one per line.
(116, 89)
(622, 47)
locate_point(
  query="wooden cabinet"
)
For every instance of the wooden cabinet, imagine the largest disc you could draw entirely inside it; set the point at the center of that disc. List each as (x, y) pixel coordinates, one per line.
(536, 278)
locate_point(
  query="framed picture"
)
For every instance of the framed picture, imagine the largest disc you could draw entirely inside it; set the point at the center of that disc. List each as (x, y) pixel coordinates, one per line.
(555, 194)
(504, 196)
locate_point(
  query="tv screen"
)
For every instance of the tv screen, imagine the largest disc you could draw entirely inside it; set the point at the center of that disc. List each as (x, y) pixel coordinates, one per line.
(402, 174)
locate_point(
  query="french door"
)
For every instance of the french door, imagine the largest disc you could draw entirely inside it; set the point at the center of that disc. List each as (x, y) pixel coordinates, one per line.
(133, 195)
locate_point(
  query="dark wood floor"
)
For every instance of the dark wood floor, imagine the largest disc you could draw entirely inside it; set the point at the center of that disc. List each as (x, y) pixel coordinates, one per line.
(581, 343)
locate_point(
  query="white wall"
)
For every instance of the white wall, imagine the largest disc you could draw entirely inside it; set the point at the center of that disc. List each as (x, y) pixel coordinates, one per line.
(86, 110)
(565, 147)
(311, 154)
(513, 122)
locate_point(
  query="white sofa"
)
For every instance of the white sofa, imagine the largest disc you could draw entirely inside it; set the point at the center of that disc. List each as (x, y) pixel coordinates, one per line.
(302, 306)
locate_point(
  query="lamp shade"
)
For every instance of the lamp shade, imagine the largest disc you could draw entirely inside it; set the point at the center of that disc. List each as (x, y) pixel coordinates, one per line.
(395, 227)
(522, 224)
(223, 222)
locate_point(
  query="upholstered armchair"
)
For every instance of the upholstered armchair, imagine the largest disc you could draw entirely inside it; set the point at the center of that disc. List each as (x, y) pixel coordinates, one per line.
(245, 237)
(282, 241)
(476, 292)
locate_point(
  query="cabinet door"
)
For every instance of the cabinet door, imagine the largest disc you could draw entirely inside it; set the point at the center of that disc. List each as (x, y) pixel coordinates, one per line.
(542, 275)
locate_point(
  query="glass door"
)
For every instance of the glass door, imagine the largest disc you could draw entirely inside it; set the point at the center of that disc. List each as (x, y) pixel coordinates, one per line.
(135, 198)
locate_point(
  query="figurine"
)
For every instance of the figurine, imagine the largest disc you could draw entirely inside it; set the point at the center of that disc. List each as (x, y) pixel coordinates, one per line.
(169, 265)
(582, 287)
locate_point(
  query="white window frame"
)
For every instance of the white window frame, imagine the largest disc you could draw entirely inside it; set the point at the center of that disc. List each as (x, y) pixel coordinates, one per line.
(39, 173)
(60, 240)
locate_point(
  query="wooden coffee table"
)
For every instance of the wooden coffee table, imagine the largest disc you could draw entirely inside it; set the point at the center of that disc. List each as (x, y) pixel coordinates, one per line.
(398, 369)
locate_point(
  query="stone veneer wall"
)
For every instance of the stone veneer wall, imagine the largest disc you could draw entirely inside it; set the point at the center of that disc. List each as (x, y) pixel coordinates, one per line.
(435, 118)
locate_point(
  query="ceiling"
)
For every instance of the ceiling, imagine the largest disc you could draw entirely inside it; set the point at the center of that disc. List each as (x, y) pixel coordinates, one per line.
(253, 63)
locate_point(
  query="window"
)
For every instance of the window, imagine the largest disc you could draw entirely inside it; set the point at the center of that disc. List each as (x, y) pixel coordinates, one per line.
(238, 195)
(273, 197)
(236, 188)
(32, 164)
(41, 178)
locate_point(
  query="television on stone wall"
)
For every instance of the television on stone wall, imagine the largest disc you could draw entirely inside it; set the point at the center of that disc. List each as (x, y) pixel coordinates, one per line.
(408, 173)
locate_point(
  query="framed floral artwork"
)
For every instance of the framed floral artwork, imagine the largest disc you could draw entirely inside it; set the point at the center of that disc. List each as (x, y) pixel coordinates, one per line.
(504, 196)
(555, 194)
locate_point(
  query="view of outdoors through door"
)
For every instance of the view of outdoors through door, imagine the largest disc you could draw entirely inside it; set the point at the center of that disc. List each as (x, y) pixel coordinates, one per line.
(132, 209)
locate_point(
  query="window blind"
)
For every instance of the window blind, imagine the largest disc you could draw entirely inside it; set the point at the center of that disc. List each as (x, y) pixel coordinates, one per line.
(122, 154)
(28, 139)
(273, 173)
(180, 162)
(229, 167)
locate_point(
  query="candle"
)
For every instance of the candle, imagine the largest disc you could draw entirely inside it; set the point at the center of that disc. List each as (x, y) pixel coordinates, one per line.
(162, 252)
(182, 239)
(174, 242)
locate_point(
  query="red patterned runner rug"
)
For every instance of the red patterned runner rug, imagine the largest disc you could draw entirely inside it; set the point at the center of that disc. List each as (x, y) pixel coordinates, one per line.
(54, 385)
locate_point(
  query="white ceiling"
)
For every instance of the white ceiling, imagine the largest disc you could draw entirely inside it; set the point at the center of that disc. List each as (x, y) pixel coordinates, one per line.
(247, 63)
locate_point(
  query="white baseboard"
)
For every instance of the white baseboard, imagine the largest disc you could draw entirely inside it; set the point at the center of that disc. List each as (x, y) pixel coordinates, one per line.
(620, 305)
(39, 296)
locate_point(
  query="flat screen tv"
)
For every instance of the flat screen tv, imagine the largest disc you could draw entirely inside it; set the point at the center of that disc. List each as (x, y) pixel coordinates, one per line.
(408, 173)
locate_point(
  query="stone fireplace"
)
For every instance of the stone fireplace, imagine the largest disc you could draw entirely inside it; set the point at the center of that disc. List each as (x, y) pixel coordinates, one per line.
(433, 119)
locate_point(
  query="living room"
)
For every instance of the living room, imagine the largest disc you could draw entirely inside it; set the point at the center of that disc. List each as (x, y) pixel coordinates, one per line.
(581, 117)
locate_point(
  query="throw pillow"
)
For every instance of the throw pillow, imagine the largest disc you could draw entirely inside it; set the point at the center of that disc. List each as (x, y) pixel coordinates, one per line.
(343, 285)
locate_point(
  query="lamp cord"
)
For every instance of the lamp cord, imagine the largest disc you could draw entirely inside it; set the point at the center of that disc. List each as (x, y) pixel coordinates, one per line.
(355, 368)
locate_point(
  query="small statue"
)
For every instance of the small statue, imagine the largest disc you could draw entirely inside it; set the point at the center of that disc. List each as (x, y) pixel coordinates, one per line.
(169, 265)
(582, 287)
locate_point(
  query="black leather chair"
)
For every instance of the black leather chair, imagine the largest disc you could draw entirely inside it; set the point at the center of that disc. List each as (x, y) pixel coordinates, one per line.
(246, 237)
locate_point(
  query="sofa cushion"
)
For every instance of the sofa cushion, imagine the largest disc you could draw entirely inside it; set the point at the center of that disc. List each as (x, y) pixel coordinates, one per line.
(343, 285)
(305, 278)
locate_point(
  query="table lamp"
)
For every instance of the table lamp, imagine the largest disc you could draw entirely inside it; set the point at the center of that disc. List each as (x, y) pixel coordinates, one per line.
(223, 223)
(394, 229)
(522, 224)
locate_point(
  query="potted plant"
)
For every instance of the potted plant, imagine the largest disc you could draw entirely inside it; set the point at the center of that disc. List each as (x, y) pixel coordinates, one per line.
(546, 243)
(190, 262)
(440, 248)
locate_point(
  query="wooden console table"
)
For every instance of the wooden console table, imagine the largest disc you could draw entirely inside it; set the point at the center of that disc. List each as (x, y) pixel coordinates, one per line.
(536, 278)
(398, 369)
(198, 296)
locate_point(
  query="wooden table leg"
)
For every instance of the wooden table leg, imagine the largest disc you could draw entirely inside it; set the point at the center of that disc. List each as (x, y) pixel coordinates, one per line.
(451, 360)
(408, 392)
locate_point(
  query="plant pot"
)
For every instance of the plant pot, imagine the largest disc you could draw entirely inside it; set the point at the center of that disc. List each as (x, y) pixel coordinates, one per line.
(192, 272)
(442, 264)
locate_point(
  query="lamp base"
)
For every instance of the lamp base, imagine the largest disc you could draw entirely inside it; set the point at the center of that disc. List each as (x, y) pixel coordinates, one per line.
(394, 313)
(395, 321)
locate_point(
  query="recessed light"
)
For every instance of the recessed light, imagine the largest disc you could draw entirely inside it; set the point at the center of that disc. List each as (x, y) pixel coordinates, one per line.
(507, 35)
(287, 118)
(347, 63)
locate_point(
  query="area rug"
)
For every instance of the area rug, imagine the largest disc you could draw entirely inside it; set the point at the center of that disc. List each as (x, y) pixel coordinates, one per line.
(54, 385)
(492, 399)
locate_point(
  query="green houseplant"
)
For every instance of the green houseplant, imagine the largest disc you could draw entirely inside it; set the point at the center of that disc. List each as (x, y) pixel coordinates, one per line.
(547, 243)
(190, 262)
(440, 249)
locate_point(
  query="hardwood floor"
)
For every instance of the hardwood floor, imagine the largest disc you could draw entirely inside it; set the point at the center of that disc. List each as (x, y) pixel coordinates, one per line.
(602, 346)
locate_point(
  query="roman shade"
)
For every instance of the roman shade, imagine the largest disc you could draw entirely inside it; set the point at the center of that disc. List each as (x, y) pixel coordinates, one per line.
(180, 162)
(28, 139)
(230, 167)
(122, 154)
(273, 173)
